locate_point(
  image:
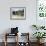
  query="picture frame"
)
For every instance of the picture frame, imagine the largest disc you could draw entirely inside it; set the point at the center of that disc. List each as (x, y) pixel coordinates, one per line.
(41, 9)
(18, 13)
(41, 12)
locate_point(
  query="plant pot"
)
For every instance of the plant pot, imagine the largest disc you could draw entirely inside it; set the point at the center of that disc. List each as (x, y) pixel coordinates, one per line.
(40, 41)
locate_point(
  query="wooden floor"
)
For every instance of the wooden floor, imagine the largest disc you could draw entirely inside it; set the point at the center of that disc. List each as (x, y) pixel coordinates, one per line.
(13, 44)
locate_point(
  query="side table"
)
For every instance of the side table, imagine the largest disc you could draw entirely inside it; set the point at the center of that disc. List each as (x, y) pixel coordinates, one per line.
(8, 34)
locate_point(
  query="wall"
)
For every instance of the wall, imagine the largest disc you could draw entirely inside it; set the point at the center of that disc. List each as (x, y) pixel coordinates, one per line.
(24, 25)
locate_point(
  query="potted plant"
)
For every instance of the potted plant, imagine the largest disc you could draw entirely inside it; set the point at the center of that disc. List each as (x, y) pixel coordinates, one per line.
(42, 27)
(38, 27)
(35, 26)
(39, 35)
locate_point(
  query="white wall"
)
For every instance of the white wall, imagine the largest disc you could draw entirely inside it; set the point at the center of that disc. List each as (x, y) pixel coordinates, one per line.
(24, 25)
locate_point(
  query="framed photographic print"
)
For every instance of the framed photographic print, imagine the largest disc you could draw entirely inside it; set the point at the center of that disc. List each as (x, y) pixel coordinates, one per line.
(41, 8)
(17, 13)
(41, 12)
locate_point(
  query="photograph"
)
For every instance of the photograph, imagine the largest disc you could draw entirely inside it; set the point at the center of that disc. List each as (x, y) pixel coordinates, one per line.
(17, 13)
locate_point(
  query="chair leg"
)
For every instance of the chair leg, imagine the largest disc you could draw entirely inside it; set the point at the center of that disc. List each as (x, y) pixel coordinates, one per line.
(17, 39)
(5, 43)
(5, 39)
